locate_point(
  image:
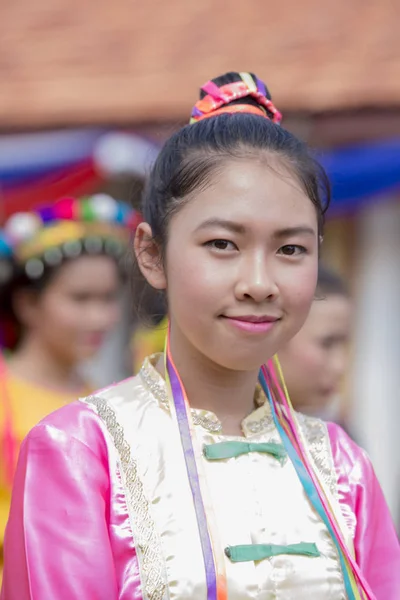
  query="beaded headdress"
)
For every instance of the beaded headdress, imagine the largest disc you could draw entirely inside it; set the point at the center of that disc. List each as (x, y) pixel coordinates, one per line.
(69, 227)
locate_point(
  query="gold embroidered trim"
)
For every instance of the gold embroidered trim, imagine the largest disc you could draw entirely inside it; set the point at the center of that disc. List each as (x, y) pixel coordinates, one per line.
(260, 425)
(317, 436)
(205, 419)
(146, 540)
(210, 424)
(157, 387)
(155, 383)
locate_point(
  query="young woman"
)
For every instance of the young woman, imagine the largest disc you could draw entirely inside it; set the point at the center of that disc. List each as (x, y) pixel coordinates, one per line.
(191, 480)
(59, 282)
(314, 360)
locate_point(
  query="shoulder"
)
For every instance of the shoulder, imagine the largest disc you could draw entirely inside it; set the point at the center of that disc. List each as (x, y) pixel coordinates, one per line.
(81, 421)
(121, 401)
(126, 391)
(344, 450)
(345, 467)
(348, 471)
(357, 482)
(316, 436)
(349, 457)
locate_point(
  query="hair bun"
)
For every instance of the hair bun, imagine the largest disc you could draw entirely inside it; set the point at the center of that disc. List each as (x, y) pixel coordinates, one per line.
(233, 93)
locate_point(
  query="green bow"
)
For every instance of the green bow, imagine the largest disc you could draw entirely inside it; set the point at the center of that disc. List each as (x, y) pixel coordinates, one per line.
(253, 552)
(223, 450)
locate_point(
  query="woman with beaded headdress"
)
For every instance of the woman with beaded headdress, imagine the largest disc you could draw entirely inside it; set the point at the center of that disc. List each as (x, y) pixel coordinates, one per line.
(196, 479)
(59, 283)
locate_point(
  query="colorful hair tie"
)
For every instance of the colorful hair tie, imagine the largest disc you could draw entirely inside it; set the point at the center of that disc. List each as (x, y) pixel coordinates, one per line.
(218, 100)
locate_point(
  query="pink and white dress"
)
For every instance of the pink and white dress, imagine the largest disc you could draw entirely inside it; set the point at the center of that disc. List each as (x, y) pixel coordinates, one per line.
(102, 507)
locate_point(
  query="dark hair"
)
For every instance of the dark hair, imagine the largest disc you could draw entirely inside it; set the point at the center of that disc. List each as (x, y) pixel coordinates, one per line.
(190, 157)
(330, 283)
(11, 330)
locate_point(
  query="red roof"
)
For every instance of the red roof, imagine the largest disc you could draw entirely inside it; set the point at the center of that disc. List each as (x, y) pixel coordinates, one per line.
(68, 61)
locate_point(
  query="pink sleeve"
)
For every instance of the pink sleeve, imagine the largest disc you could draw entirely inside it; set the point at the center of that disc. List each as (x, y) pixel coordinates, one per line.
(57, 544)
(366, 512)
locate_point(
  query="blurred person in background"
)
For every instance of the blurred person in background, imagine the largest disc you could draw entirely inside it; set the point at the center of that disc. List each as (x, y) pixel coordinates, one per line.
(314, 361)
(148, 340)
(59, 298)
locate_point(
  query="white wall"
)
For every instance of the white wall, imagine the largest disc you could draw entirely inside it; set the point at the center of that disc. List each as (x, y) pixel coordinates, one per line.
(376, 382)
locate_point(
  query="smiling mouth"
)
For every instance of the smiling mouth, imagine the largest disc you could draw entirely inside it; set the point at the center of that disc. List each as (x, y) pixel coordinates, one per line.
(253, 318)
(94, 339)
(252, 323)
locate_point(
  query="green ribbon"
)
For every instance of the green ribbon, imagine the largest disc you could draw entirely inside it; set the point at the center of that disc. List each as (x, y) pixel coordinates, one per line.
(223, 450)
(254, 552)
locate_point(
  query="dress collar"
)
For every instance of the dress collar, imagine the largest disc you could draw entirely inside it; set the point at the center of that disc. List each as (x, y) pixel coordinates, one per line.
(257, 422)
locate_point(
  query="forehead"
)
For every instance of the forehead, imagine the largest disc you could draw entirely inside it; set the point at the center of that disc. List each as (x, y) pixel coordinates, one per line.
(252, 192)
(86, 273)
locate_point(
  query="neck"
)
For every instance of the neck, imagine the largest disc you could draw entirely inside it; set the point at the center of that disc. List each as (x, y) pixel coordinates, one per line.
(227, 393)
(37, 363)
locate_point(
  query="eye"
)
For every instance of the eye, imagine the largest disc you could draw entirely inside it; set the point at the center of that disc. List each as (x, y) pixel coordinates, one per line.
(328, 343)
(292, 250)
(221, 245)
(80, 297)
(334, 341)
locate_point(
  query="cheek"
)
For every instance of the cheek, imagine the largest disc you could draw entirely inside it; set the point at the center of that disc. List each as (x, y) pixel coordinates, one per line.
(192, 283)
(63, 314)
(111, 313)
(314, 358)
(114, 311)
(302, 357)
(305, 283)
(298, 292)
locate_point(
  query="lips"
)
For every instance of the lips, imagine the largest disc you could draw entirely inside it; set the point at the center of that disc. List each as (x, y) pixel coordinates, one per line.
(93, 339)
(253, 318)
(252, 324)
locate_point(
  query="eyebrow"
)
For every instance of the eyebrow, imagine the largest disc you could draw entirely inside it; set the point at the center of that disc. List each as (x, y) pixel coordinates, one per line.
(229, 225)
(289, 231)
(241, 229)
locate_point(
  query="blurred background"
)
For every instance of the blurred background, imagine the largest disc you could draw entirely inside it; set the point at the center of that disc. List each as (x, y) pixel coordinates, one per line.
(89, 91)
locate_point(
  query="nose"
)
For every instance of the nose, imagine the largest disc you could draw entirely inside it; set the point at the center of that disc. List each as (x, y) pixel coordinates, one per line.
(255, 280)
(100, 316)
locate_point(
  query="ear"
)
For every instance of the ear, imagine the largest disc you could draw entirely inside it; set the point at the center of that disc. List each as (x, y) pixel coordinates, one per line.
(25, 306)
(149, 257)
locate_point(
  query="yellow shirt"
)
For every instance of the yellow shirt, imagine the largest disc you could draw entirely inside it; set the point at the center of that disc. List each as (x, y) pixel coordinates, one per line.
(148, 341)
(26, 403)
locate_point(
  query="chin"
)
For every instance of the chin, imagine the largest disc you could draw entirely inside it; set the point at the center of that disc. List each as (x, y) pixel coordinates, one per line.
(84, 354)
(241, 361)
(89, 354)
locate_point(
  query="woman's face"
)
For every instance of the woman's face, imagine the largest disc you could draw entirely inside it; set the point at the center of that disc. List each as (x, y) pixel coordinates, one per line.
(241, 265)
(314, 361)
(76, 310)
